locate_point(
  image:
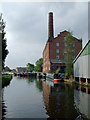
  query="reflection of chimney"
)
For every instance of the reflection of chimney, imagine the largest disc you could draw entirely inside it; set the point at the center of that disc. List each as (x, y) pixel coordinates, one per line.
(50, 25)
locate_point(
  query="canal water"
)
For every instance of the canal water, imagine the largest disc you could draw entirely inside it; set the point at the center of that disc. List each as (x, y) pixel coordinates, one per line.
(33, 98)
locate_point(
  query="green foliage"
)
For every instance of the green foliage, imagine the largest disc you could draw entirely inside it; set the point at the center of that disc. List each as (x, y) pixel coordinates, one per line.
(69, 52)
(30, 67)
(39, 65)
(6, 80)
(58, 70)
(3, 64)
(30, 80)
(4, 50)
(2, 37)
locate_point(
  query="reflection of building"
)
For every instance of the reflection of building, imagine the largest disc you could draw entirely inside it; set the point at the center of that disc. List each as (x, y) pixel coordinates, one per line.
(0, 105)
(20, 69)
(82, 100)
(59, 102)
(82, 64)
(54, 53)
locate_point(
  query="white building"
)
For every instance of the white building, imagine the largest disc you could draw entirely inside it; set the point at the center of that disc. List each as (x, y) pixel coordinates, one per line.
(21, 69)
(82, 64)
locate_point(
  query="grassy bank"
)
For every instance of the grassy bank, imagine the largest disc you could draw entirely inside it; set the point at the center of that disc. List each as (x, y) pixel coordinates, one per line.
(6, 80)
(5, 77)
(69, 80)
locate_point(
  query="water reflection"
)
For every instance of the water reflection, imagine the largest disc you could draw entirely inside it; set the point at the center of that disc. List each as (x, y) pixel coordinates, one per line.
(30, 80)
(33, 98)
(24, 99)
(0, 101)
(82, 100)
(4, 109)
(39, 85)
(59, 101)
(5, 83)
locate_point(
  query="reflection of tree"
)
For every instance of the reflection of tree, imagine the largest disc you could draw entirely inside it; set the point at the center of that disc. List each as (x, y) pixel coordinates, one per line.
(39, 84)
(69, 91)
(4, 110)
(0, 104)
(30, 79)
(5, 82)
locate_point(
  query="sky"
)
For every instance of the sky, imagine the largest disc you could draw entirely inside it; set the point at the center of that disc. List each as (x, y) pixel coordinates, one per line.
(27, 27)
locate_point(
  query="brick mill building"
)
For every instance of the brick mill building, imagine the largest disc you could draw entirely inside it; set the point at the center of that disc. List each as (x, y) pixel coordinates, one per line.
(53, 55)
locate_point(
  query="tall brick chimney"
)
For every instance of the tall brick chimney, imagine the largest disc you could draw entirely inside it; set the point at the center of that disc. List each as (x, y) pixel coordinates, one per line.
(50, 25)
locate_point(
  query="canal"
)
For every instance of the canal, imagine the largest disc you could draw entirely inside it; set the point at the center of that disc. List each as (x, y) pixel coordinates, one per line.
(33, 98)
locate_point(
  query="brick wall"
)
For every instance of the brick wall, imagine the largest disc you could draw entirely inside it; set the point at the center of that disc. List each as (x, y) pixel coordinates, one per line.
(46, 60)
(50, 51)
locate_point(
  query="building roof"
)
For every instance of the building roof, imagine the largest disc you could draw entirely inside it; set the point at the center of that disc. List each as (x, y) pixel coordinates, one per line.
(64, 31)
(21, 67)
(84, 51)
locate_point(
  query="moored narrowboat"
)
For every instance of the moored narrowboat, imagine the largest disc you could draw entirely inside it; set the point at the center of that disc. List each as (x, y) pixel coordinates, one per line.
(58, 78)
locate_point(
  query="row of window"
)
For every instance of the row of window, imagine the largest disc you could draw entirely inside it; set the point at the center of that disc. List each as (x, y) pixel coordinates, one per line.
(57, 50)
(66, 45)
(57, 44)
(66, 51)
(57, 57)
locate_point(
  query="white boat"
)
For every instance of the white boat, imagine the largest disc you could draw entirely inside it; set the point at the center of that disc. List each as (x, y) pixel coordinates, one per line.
(50, 75)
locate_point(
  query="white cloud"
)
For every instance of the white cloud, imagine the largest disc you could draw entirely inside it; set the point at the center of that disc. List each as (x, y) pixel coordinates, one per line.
(27, 27)
(44, 0)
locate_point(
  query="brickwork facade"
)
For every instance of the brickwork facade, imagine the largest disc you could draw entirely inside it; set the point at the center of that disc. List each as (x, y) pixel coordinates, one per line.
(54, 54)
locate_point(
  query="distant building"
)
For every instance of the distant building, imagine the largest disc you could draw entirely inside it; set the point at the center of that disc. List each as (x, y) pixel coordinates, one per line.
(20, 69)
(13, 70)
(6, 69)
(53, 56)
(82, 64)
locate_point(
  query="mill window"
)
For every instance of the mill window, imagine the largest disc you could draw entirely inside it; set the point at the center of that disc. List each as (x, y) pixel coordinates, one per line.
(57, 44)
(57, 51)
(57, 57)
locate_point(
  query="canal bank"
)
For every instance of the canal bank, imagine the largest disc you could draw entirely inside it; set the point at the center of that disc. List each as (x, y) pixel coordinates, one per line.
(34, 98)
(77, 82)
(4, 82)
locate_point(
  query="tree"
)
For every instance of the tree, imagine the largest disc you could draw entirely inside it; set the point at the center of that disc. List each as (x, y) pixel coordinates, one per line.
(69, 53)
(58, 70)
(39, 65)
(3, 41)
(30, 67)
